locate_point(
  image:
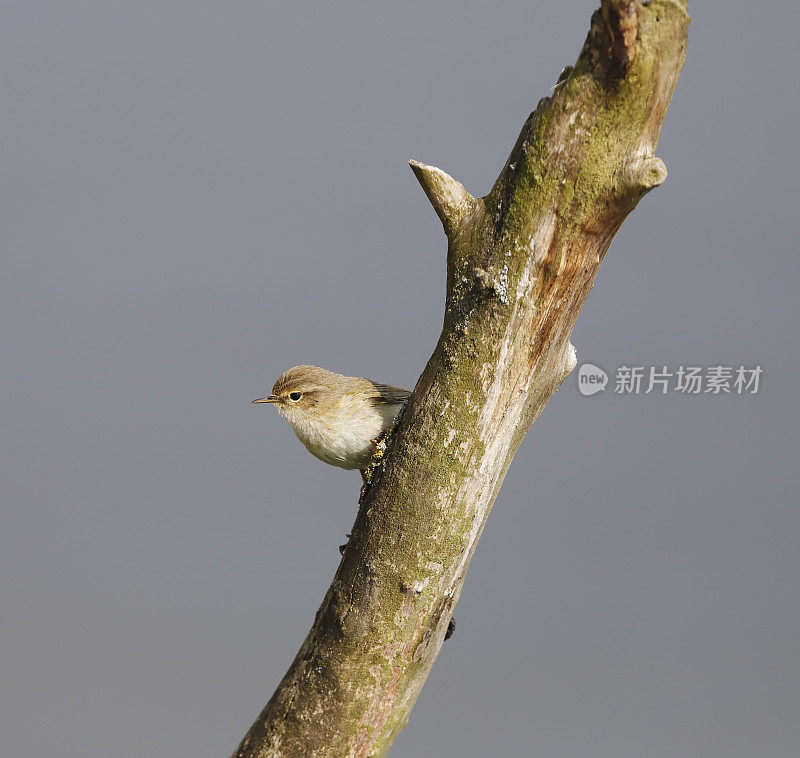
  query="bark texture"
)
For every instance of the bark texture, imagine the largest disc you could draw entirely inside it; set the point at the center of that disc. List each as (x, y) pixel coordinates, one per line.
(520, 263)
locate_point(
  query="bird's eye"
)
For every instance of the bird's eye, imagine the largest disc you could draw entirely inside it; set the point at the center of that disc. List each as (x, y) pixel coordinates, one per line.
(295, 396)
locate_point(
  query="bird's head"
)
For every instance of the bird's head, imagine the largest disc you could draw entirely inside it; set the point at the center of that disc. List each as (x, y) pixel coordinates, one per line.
(307, 393)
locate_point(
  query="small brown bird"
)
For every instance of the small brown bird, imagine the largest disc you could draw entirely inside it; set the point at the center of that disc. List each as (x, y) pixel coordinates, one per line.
(338, 418)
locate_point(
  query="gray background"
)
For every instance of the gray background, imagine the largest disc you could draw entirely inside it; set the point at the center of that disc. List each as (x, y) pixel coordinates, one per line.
(196, 196)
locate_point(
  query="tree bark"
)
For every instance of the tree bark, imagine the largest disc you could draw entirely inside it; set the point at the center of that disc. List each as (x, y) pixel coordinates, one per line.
(520, 263)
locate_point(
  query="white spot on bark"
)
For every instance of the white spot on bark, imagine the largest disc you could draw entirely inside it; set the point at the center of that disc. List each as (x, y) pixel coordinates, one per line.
(502, 286)
(486, 376)
(543, 236)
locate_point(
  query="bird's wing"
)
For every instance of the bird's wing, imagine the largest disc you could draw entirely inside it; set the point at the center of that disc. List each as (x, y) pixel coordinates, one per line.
(385, 393)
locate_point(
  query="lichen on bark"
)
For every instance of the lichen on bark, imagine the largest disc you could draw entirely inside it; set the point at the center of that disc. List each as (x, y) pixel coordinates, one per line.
(520, 263)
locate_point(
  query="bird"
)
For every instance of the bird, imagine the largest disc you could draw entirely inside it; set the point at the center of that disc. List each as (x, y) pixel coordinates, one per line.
(339, 419)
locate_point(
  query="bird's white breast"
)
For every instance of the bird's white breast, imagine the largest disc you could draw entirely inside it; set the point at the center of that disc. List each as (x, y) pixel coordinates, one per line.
(346, 438)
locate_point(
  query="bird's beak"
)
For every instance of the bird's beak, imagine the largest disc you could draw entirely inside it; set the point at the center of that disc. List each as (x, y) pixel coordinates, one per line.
(267, 399)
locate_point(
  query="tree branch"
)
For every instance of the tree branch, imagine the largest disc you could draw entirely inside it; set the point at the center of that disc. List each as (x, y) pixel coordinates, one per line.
(520, 264)
(450, 200)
